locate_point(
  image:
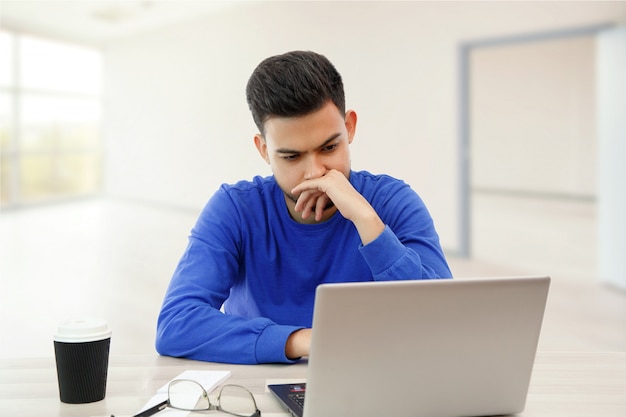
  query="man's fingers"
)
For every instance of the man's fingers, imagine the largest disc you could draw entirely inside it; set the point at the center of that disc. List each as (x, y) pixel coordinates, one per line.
(308, 207)
(312, 202)
(307, 202)
(320, 205)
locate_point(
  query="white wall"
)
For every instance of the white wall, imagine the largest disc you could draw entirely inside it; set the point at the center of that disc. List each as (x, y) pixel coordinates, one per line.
(178, 124)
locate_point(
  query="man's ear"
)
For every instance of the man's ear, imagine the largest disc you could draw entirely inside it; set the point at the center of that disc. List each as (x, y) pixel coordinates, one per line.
(351, 124)
(261, 146)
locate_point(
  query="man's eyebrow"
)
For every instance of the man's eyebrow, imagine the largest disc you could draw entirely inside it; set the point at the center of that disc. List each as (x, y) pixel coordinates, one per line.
(286, 150)
(324, 144)
(330, 139)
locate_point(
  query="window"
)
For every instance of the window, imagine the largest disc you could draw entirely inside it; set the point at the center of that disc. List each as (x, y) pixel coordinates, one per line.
(50, 114)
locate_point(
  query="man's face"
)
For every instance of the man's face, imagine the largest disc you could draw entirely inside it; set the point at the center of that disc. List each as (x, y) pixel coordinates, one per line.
(307, 147)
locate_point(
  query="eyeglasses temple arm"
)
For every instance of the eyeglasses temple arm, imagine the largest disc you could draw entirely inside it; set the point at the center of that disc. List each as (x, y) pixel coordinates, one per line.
(153, 410)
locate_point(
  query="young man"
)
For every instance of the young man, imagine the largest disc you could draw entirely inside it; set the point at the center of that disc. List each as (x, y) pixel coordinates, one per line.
(261, 247)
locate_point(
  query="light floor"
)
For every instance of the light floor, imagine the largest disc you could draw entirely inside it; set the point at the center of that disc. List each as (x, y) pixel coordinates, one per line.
(113, 259)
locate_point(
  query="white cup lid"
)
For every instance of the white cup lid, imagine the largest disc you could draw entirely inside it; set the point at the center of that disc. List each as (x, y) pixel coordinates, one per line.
(82, 330)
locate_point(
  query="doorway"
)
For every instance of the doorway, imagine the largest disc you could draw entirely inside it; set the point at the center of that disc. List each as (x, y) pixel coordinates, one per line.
(529, 163)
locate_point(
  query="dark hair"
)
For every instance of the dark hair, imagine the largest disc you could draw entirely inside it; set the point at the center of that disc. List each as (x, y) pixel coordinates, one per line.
(293, 84)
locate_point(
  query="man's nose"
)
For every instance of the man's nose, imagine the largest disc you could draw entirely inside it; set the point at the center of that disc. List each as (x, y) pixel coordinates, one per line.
(315, 168)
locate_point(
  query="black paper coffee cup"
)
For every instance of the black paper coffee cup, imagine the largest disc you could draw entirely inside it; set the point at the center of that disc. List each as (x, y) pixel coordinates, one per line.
(81, 350)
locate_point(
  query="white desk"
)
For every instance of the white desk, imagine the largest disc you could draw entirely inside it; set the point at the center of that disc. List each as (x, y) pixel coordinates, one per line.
(563, 385)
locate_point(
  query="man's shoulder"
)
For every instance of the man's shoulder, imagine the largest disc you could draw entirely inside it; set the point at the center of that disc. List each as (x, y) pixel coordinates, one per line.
(258, 183)
(239, 196)
(367, 179)
(382, 189)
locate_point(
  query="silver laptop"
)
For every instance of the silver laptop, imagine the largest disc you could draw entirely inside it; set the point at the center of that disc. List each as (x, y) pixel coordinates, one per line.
(443, 348)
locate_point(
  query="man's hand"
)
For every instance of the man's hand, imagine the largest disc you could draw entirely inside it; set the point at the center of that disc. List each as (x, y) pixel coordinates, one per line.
(315, 194)
(298, 344)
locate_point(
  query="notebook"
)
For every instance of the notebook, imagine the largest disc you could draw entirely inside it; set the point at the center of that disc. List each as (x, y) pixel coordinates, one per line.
(442, 348)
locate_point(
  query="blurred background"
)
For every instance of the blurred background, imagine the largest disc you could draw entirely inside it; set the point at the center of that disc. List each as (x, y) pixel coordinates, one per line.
(119, 119)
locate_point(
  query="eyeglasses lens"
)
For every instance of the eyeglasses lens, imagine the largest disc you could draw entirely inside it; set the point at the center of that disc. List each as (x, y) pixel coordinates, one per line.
(188, 395)
(237, 400)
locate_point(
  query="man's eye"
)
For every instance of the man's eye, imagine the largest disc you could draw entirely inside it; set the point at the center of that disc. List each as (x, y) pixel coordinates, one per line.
(330, 148)
(290, 157)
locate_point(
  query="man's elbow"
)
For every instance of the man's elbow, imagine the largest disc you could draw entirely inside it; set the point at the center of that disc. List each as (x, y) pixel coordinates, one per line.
(166, 342)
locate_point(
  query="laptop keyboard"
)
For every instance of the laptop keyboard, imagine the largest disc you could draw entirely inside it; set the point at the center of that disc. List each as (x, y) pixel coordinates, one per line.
(298, 398)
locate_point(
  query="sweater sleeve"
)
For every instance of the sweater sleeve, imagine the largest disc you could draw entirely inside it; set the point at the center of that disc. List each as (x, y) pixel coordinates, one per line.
(409, 246)
(191, 324)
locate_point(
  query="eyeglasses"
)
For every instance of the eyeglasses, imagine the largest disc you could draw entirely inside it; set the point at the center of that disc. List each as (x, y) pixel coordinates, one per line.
(187, 395)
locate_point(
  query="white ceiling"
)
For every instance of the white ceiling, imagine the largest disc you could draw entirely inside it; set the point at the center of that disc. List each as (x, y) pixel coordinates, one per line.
(101, 21)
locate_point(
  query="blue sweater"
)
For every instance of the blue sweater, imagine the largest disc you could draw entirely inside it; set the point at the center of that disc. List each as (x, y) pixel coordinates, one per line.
(246, 254)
